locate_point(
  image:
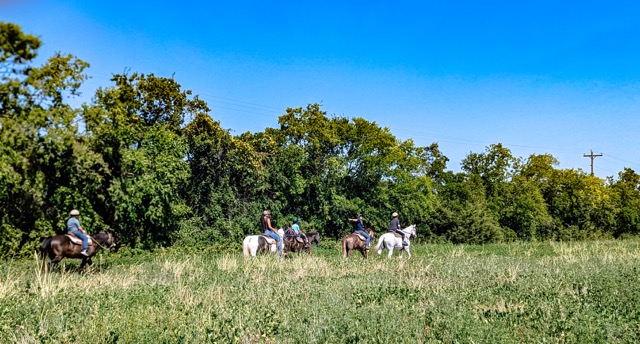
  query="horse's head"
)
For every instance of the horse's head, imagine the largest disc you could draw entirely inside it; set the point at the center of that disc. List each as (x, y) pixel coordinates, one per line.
(111, 242)
(413, 231)
(370, 232)
(107, 240)
(281, 232)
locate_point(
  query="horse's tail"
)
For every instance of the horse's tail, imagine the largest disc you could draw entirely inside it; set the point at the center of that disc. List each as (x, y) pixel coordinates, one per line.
(344, 248)
(46, 244)
(245, 247)
(44, 248)
(379, 243)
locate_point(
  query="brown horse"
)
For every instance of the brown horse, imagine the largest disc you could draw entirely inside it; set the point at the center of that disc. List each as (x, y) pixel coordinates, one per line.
(291, 243)
(61, 246)
(355, 241)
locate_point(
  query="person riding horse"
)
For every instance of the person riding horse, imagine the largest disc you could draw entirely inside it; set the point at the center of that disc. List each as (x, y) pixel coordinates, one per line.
(297, 232)
(359, 220)
(74, 227)
(265, 222)
(394, 226)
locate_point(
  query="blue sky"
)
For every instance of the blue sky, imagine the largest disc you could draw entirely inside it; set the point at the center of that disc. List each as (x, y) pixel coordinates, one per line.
(557, 77)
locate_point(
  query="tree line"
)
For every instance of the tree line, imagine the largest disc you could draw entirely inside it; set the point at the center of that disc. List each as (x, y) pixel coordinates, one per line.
(146, 160)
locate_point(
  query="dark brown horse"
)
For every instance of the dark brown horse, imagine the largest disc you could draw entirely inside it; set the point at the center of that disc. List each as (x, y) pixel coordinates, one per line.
(355, 241)
(312, 238)
(291, 242)
(61, 246)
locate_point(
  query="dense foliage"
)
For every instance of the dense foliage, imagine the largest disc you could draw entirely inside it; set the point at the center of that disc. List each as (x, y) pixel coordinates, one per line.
(146, 160)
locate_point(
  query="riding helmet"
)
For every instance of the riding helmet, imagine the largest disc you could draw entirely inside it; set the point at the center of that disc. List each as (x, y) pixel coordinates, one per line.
(295, 220)
(394, 214)
(74, 212)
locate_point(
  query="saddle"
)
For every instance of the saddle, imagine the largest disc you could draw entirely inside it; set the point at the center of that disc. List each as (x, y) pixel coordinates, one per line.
(360, 236)
(290, 234)
(400, 236)
(269, 239)
(77, 241)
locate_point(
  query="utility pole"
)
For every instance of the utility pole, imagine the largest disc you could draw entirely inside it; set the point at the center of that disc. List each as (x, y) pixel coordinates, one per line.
(592, 156)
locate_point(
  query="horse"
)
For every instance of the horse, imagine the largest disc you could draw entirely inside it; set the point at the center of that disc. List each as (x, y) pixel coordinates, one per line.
(69, 246)
(253, 244)
(355, 241)
(291, 243)
(392, 240)
(312, 237)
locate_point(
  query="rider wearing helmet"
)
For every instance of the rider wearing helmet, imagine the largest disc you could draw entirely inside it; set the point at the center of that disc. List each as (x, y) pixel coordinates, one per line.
(359, 220)
(394, 226)
(296, 230)
(265, 223)
(73, 227)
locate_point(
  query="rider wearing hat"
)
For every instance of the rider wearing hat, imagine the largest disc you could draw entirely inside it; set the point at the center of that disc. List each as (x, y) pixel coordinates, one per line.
(265, 223)
(394, 226)
(359, 220)
(73, 227)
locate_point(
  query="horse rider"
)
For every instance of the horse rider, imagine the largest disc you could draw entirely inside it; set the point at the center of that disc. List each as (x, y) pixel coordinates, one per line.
(359, 220)
(265, 222)
(298, 233)
(394, 226)
(73, 227)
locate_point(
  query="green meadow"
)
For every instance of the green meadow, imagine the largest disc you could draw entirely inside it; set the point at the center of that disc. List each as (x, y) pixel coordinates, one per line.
(547, 292)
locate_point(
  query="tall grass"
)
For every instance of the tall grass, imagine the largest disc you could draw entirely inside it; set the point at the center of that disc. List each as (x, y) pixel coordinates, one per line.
(507, 293)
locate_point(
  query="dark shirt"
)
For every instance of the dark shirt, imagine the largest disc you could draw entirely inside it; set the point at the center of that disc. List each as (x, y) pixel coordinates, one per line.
(394, 225)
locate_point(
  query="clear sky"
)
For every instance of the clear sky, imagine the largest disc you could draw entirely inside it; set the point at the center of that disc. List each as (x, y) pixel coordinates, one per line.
(557, 77)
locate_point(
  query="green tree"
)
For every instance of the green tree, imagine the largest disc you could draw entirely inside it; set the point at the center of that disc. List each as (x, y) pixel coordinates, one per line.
(461, 214)
(136, 126)
(46, 167)
(626, 193)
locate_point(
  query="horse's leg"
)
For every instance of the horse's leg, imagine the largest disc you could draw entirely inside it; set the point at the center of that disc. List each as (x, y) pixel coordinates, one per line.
(54, 261)
(84, 262)
(390, 248)
(408, 253)
(253, 249)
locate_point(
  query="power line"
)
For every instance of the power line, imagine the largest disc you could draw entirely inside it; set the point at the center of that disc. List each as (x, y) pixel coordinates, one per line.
(622, 160)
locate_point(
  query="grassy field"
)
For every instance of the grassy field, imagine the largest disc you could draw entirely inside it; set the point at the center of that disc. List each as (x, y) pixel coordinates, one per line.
(586, 292)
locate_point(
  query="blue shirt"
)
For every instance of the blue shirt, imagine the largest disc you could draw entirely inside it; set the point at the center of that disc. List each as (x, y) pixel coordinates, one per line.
(73, 224)
(296, 228)
(359, 224)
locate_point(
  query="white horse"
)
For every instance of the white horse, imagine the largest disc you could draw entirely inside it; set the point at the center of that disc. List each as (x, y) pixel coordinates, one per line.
(252, 243)
(391, 242)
